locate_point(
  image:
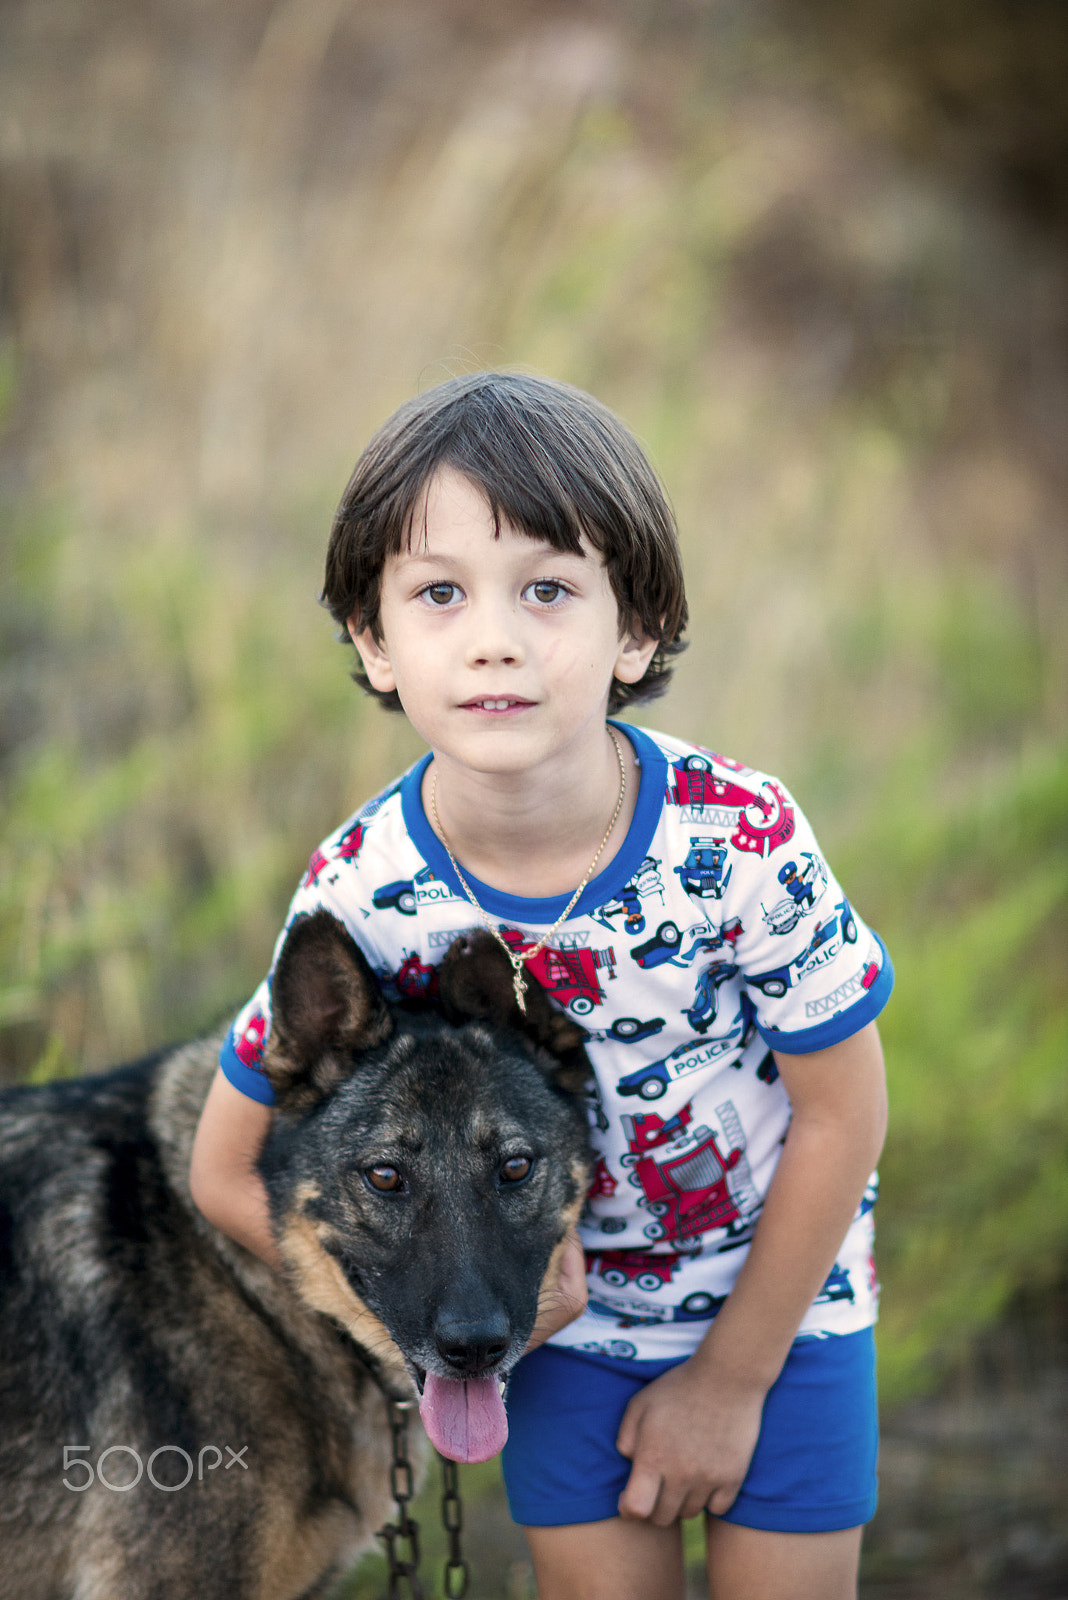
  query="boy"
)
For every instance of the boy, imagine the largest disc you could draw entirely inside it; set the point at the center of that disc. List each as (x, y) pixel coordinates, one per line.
(505, 563)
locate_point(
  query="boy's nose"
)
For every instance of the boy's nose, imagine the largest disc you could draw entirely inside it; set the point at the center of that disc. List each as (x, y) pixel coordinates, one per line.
(493, 639)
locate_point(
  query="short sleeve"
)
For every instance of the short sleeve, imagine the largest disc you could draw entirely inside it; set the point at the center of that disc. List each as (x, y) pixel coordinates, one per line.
(815, 973)
(241, 1058)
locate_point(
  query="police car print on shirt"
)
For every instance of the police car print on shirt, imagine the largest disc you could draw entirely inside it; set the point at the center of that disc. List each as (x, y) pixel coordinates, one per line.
(667, 947)
(635, 1313)
(644, 885)
(671, 944)
(702, 1014)
(648, 1272)
(396, 896)
(624, 1030)
(805, 885)
(409, 895)
(621, 1349)
(430, 890)
(831, 936)
(704, 873)
(651, 1081)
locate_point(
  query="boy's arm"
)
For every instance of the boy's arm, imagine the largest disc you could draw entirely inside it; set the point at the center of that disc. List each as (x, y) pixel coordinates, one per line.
(691, 1433)
(223, 1179)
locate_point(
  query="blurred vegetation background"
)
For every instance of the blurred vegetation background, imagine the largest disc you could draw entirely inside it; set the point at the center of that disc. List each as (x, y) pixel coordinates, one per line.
(814, 254)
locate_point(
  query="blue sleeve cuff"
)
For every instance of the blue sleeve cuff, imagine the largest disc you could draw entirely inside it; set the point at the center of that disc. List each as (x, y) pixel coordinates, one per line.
(248, 1080)
(843, 1024)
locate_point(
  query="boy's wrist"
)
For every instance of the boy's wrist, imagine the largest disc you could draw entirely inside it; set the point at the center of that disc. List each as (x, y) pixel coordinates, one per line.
(736, 1364)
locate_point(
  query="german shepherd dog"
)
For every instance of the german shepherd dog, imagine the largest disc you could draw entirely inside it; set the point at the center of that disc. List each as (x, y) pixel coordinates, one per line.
(177, 1420)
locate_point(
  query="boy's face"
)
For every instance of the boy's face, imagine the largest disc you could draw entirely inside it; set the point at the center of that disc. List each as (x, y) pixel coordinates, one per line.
(502, 650)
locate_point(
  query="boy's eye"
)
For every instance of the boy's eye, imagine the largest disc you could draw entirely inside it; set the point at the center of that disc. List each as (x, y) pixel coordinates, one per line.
(546, 590)
(440, 594)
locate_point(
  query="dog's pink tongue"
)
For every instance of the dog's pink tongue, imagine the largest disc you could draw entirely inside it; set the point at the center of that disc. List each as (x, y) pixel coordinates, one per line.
(464, 1419)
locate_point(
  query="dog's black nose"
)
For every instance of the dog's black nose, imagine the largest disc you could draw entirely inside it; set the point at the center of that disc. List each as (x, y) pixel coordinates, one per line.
(472, 1346)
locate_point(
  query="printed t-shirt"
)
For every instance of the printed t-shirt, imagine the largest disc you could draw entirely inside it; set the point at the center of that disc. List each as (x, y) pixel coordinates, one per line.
(715, 934)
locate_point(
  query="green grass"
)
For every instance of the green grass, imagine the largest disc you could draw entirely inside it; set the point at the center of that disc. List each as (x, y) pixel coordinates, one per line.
(975, 1197)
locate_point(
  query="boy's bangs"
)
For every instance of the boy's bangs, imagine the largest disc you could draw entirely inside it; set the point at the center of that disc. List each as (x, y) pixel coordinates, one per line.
(550, 519)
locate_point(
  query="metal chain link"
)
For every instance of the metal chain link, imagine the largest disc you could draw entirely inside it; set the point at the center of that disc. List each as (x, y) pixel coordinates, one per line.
(457, 1572)
(404, 1573)
(404, 1531)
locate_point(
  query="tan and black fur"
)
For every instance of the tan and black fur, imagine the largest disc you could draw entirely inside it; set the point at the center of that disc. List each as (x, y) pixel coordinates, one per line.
(127, 1321)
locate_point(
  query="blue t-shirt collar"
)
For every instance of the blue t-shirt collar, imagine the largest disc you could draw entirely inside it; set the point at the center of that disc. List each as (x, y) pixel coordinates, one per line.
(606, 886)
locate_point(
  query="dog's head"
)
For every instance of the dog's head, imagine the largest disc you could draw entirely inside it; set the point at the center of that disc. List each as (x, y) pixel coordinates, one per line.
(424, 1166)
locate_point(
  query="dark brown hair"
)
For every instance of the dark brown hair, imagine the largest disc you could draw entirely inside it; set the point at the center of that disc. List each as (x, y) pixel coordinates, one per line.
(551, 461)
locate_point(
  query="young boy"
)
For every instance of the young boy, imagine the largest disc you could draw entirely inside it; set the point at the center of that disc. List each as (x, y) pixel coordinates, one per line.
(506, 565)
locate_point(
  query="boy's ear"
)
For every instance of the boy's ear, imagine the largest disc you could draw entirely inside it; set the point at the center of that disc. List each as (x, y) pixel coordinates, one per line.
(636, 650)
(375, 657)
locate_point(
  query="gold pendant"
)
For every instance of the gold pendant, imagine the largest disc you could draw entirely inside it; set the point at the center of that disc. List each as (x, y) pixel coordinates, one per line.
(517, 985)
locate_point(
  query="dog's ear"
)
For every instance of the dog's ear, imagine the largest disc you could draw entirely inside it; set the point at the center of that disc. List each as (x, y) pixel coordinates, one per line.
(326, 1007)
(476, 983)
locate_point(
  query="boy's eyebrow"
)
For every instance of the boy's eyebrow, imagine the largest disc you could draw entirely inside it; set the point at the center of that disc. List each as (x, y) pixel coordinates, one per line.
(424, 557)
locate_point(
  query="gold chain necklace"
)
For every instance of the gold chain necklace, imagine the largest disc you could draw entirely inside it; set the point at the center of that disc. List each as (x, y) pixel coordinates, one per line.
(516, 958)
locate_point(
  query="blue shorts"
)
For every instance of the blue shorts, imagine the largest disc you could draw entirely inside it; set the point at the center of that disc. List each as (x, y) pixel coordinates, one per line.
(813, 1470)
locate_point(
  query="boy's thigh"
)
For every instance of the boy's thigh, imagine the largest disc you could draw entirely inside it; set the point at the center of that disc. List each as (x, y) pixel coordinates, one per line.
(625, 1560)
(610, 1560)
(754, 1564)
(561, 1465)
(564, 1477)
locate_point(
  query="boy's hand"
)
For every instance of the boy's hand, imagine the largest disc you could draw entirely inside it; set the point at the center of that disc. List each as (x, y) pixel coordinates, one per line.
(691, 1437)
(562, 1296)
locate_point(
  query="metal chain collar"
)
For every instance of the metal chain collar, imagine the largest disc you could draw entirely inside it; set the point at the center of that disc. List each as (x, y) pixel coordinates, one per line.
(404, 1581)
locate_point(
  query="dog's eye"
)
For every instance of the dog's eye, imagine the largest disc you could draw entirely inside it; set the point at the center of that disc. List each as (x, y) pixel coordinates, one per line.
(515, 1170)
(387, 1180)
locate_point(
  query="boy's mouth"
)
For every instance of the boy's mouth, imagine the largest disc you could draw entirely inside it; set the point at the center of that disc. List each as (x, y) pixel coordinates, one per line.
(498, 703)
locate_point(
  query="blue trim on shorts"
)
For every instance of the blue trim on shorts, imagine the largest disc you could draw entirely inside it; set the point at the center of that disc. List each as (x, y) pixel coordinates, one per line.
(813, 1470)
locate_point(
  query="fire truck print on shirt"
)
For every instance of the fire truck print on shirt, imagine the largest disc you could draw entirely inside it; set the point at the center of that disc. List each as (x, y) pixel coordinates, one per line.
(690, 1184)
(716, 934)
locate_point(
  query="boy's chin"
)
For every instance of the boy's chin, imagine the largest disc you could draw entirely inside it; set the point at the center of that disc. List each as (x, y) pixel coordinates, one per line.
(515, 743)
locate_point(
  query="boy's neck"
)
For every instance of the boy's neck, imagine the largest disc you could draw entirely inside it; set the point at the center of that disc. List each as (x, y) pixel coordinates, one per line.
(534, 835)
